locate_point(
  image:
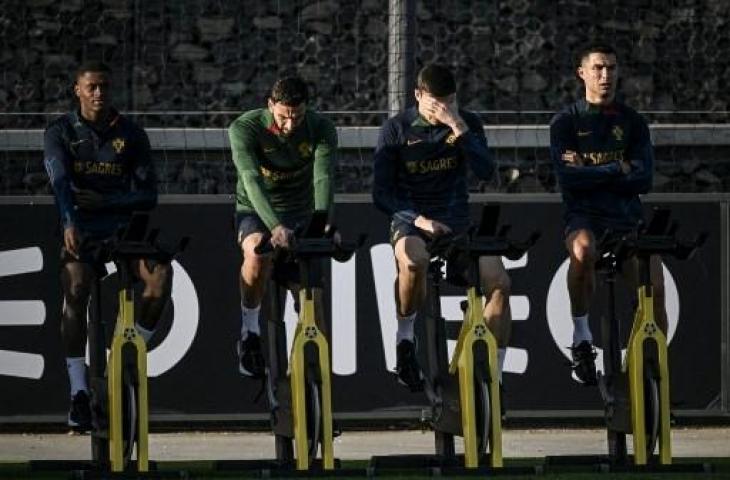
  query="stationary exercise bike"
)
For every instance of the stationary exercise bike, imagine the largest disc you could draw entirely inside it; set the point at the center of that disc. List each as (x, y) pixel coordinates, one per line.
(636, 391)
(464, 395)
(118, 383)
(299, 388)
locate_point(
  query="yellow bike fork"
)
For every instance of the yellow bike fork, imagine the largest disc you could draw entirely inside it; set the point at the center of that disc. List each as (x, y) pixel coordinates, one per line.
(474, 329)
(125, 333)
(645, 329)
(306, 332)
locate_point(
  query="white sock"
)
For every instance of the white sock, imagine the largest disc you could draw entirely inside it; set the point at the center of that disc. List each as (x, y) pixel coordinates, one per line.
(581, 330)
(501, 353)
(76, 367)
(144, 333)
(405, 328)
(250, 321)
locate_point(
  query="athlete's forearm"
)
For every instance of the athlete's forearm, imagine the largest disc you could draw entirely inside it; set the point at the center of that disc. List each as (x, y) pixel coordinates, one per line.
(325, 157)
(583, 177)
(247, 167)
(258, 197)
(54, 157)
(640, 166)
(473, 145)
(384, 185)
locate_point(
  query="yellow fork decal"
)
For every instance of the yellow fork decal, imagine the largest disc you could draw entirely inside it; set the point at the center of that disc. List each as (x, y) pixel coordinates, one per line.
(307, 331)
(125, 333)
(645, 329)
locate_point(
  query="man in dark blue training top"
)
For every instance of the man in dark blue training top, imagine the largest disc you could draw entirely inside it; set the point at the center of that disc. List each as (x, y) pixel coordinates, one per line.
(100, 168)
(421, 183)
(603, 158)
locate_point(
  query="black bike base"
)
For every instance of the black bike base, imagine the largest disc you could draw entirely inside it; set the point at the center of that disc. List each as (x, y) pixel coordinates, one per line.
(606, 464)
(437, 465)
(87, 469)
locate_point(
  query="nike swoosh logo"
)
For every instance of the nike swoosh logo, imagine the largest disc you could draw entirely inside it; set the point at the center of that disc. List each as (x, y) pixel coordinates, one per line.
(269, 150)
(584, 134)
(413, 142)
(79, 142)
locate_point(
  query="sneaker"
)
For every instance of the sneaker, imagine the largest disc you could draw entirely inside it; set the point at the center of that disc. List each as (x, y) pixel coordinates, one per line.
(407, 370)
(584, 363)
(250, 359)
(79, 415)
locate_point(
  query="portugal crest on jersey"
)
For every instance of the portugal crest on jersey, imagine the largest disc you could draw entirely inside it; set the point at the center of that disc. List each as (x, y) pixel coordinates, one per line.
(118, 145)
(305, 150)
(618, 133)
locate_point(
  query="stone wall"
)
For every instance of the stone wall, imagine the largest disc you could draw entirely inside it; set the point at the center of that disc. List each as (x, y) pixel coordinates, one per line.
(214, 55)
(509, 56)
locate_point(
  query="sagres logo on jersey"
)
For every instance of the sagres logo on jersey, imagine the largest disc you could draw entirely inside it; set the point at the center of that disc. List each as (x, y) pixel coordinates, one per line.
(451, 138)
(118, 145)
(618, 133)
(305, 150)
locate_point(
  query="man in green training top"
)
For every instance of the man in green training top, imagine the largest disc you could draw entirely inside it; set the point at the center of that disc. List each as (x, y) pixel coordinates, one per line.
(284, 155)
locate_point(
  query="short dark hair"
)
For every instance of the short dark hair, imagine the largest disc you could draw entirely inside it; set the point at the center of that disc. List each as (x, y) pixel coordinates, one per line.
(91, 66)
(290, 91)
(436, 80)
(604, 48)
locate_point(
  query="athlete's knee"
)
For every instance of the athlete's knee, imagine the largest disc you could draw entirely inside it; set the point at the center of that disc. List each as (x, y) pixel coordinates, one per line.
(253, 262)
(494, 277)
(411, 255)
(582, 249)
(76, 292)
(158, 283)
(500, 284)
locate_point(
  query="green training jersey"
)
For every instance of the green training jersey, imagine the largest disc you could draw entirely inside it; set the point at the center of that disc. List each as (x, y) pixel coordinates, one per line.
(283, 176)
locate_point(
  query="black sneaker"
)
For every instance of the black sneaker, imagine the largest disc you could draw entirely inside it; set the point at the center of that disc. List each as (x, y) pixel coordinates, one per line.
(79, 415)
(584, 363)
(407, 370)
(250, 359)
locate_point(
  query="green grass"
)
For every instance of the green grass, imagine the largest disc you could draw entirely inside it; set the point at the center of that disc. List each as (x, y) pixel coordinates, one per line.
(720, 467)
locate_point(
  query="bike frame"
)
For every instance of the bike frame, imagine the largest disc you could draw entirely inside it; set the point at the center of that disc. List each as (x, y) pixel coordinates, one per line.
(126, 336)
(474, 329)
(307, 332)
(644, 331)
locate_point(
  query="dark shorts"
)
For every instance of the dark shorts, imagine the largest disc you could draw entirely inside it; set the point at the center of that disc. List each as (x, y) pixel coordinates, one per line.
(285, 272)
(92, 253)
(248, 223)
(89, 251)
(400, 229)
(457, 266)
(597, 227)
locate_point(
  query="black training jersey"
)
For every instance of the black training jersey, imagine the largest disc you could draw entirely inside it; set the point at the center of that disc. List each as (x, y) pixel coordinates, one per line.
(420, 169)
(114, 162)
(615, 143)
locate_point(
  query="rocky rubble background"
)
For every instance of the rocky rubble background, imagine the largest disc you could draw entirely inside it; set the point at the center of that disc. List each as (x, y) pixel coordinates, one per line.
(207, 60)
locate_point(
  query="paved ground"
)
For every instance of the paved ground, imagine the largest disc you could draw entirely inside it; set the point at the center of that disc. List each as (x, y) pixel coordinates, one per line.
(686, 442)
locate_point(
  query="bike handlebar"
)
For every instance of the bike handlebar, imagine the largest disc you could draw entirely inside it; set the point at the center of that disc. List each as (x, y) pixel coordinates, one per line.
(659, 237)
(481, 245)
(134, 242)
(308, 247)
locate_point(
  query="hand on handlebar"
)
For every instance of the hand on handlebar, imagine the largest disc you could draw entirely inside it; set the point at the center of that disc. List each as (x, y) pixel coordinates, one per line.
(336, 237)
(431, 227)
(282, 237)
